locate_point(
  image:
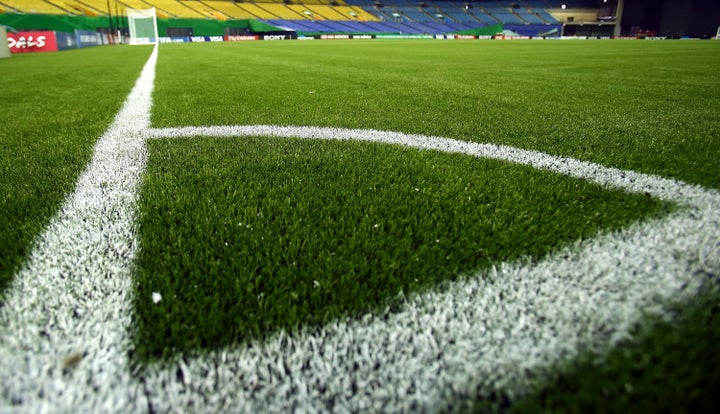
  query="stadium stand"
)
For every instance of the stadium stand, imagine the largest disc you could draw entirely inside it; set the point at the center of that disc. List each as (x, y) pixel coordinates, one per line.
(257, 10)
(357, 13)
(36, 6)
(575, 15)
(538, 7)
(503, 15)
(327, 12)
(289, 12)
(573, 4)
(228, 9)
(84, 7)
(527, 17)
(72, 7)
(137, 4)
(177, 9)
(481, 16)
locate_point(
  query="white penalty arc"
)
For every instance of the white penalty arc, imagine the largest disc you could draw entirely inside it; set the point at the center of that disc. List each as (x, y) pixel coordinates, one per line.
(64, 326)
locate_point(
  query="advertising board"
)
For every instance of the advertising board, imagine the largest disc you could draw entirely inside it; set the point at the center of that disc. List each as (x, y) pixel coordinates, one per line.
(33, 41)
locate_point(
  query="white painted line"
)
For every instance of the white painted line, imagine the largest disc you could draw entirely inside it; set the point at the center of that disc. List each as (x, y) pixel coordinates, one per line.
(494, 332)
(64, 324)
(664, 189)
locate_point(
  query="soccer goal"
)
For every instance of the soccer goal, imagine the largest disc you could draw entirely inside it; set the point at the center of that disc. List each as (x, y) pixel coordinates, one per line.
(143, 26)
(4, 49)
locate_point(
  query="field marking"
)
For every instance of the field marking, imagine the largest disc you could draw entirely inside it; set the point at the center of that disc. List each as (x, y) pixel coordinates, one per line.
(494, 332)
(72, 299)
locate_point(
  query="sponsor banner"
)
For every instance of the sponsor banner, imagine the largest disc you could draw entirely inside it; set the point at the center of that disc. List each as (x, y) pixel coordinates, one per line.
(334, 37)
(506, 37)
(86, 38)
(457, 37)
(174, 39)
(201, 39)
(278, 36)
(401, 36)
(242, 38)
(587, 38)
(344, 36)
(275, 37)
(141, 40)
(34, 41)
(65, 41)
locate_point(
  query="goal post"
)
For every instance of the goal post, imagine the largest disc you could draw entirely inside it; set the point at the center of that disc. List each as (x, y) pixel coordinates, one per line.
(4, 48)
(143, 26)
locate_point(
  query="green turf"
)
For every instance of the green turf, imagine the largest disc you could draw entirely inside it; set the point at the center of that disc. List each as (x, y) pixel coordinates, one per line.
(243, 237)
(650, 107)
(672, 366)
(54, 107)
(646, 106)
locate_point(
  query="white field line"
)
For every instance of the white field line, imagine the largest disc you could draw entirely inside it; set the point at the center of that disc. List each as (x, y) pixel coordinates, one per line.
(72, 298)
(493, 333)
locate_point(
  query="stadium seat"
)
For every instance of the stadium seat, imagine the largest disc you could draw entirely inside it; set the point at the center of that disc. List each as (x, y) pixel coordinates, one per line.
(229, 9)
(327, 16)
(36, 7)
(177, 9)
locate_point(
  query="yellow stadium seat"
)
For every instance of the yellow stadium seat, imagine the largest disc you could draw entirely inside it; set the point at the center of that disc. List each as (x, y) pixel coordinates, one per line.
(35, 6)
(285, 12)
(99, 7)
(327, 12)
(257, 10)
(177, 8)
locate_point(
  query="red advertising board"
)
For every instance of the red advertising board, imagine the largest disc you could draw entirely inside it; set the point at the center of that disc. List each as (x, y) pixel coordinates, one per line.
(241, 38)
(23, 42)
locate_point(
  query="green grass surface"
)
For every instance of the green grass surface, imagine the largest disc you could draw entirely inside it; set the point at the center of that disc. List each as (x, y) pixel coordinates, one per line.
(649, 107)
(645, 106)
(243, 237)
(672, 366)
(54, 108)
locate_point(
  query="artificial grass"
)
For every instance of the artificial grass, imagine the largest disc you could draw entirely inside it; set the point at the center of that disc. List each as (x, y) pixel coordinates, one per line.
(639, 105)
(635, 105)
(243, 237)
(643, 106)
(670, 366)
(55, 106)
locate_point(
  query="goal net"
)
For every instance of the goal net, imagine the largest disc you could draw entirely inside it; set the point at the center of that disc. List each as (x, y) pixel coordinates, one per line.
(143, 26)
